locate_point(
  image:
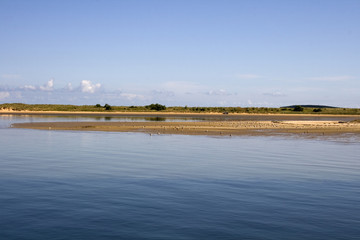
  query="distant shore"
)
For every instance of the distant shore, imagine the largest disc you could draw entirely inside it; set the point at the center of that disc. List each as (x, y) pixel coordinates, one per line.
(162, 109)
(160, 113)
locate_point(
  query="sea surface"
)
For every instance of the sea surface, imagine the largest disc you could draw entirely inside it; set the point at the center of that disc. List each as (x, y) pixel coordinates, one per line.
(104, 185)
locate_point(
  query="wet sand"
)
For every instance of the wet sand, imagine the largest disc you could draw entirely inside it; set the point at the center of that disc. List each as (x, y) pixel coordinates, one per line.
(217, 128)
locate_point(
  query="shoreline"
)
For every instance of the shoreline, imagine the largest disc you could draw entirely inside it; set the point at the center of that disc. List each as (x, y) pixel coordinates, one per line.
(215, 124)
(208, 128)
(2, 112)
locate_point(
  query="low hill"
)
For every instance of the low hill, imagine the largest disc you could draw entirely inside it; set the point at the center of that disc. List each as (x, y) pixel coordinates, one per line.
(309, 106)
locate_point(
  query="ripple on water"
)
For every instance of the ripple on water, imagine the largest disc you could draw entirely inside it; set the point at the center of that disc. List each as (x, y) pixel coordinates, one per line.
(93, 185)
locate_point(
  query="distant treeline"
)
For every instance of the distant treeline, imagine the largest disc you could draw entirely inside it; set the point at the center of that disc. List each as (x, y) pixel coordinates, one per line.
(308, 109)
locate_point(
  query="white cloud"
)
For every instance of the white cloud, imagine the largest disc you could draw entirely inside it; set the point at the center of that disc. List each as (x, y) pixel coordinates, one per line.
(332, 78)
(247, 76)
(10, 76)
(49, 86)
(29, 87)
(4, 95)
(88, 87)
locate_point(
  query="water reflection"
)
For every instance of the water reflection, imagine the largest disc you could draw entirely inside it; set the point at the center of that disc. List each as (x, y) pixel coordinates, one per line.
(96, 185)
(156, 119)
(170, 118)
(68, 118)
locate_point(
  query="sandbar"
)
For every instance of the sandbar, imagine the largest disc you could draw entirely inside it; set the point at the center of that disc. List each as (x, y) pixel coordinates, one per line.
(217, 128)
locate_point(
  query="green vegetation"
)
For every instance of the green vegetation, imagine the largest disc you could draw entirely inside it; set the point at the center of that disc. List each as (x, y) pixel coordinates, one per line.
(298, 109)
(186, 109)
(156, 107)
(107, 107)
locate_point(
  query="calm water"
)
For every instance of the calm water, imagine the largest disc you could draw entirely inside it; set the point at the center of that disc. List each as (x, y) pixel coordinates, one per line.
(101, 185)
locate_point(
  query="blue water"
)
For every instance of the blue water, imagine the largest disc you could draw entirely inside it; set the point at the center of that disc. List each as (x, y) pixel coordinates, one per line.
(103, 185)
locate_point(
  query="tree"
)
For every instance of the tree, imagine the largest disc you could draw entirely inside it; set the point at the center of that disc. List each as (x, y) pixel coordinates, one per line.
(107, 107)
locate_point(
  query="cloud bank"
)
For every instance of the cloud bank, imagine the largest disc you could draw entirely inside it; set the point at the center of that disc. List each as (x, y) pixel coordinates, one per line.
(178, 93)
(49, 86)
(88, 87)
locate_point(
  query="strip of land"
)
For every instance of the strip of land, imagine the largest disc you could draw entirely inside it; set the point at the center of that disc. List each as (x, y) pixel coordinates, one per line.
(294, 109)
(199, 123)
(215, 128)
(204, 116)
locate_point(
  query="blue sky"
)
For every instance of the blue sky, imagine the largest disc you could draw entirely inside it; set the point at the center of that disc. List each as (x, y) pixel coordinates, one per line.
(196, 53)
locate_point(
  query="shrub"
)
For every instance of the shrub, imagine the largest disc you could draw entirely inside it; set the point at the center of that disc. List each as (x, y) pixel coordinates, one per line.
(317, 110)
(98, 105)
(298, 109)
(107, 107)
(156, 107)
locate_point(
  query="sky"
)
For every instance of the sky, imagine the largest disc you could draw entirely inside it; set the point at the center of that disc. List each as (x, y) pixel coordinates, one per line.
(247, 53)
